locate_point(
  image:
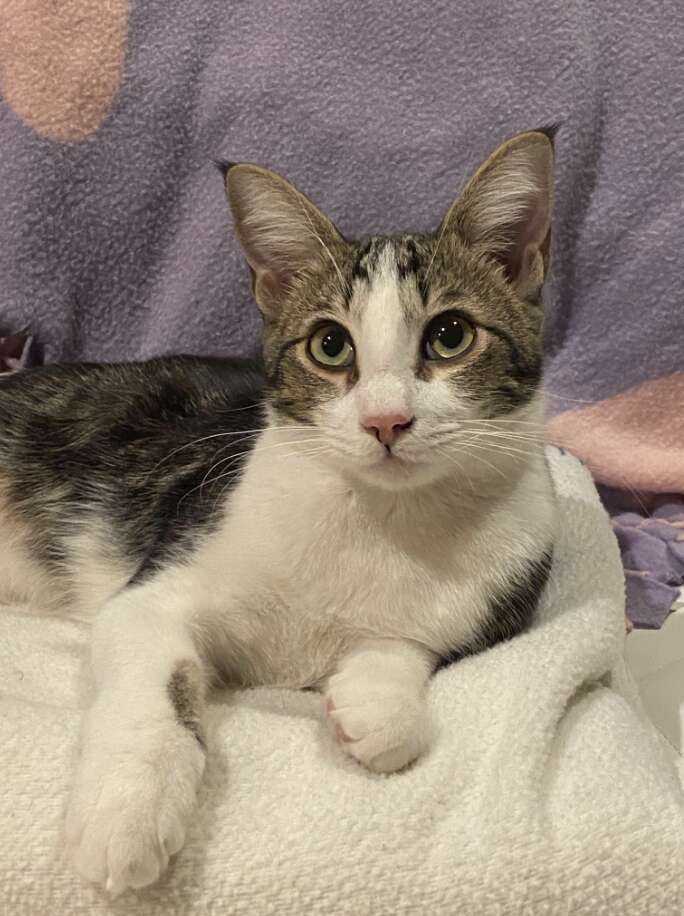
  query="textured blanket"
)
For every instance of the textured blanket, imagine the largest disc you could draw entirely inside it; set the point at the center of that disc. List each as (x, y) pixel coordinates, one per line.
(545, 791)
(114, 235)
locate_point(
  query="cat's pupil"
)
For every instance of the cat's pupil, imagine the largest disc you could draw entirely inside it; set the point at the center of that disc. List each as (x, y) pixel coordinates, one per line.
(333, 342)
(449, 334)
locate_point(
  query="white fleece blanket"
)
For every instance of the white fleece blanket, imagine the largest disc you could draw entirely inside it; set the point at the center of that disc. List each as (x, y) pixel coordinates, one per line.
(545, 790)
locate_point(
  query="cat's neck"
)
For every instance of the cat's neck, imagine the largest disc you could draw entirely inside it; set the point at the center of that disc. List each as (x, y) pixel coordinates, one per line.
(441, 501)
(306, 475)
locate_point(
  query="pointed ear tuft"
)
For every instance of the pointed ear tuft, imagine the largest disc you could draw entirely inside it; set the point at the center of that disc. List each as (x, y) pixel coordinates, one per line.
(550, 130)
(505, 209)
(223, 166)
(281, 231)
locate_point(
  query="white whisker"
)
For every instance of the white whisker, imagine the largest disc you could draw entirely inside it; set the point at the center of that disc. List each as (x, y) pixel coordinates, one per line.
(500, 448)
(306, 453)
(488, 434)
(434, 253)
(322, 243)
(459, 466)
(483, 421)
(239, 432)
(488, 463)
(235, 457)
(562, 397)
(250, 451)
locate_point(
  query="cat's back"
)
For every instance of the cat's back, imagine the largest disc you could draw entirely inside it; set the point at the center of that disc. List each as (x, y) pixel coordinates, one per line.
(101, 465)
(91, 398)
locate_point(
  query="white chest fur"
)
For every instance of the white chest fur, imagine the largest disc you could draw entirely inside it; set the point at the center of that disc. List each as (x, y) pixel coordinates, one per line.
(307, 563)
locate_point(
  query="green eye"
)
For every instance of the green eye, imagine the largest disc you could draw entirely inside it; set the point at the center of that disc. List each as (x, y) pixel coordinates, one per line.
(447, 336)
(331, 346)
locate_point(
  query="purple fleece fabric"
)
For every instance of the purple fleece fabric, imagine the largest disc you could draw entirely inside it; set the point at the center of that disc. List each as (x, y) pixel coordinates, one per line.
(651, 538)
(115, 238)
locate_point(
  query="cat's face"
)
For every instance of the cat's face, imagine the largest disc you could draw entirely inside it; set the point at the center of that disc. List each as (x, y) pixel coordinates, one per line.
(410, 356)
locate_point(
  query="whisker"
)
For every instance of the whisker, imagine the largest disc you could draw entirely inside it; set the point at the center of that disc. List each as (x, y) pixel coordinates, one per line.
(235, 457)
(596, 470)
(306, 453)
(249, 451)
(322, 243)
(498, 420)
(228, 457)
(239, 432)
(439, 242)
(477, 434)
(459, 466)
(489, 464)
(506, 435)
(434, 253)
(529, 431)
(254, 434)
(501, 448)
(562, 397)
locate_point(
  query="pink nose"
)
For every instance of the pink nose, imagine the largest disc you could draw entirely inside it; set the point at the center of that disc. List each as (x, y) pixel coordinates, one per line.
(388, 427)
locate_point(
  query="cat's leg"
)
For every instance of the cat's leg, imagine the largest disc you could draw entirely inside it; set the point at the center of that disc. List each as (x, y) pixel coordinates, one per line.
(143, 750)
(377, 703)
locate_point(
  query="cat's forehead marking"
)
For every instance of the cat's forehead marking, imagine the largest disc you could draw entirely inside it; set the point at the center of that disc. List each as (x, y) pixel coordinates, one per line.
(384, 341)
(376, 291)
(408, 253)
(389, 272)
(365, 262)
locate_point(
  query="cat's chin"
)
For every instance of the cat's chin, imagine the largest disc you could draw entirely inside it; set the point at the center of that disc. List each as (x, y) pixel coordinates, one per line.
(398, 474)
(393, 474)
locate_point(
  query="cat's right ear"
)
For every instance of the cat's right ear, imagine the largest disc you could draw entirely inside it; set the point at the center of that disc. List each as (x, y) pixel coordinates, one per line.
(281, 231)
(505, 209)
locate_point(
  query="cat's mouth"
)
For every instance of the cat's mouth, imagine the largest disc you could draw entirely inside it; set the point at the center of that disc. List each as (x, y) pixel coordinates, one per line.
(392, 460)
(393, 470)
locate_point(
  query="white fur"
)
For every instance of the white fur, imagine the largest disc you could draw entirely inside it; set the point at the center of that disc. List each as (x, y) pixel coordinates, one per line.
(518, 183)
(101, 568)
(95, 570)
(377, 703)
(336, 566)
(277, 224)
(139, 771)
(23, 580)
(310, 582)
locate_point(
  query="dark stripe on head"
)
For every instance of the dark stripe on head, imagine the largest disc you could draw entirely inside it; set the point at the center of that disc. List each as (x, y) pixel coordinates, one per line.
(275, 375)
(408, 260)
(289, 407)
(359, 267)
(524, 375)
(280, 389)
(506, 337)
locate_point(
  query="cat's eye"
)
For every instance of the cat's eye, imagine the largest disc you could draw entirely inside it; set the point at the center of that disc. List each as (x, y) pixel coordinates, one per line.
(331, 346)
(447, 336)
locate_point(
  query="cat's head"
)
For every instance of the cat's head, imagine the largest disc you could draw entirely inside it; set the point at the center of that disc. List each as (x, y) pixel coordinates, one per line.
(410, 354)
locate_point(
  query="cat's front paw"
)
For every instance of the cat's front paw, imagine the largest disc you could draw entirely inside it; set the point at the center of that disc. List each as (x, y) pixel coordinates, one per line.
(130, 807)
(382, 724)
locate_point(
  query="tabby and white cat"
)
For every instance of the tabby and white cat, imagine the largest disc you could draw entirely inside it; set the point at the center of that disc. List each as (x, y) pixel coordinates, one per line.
(369, 502)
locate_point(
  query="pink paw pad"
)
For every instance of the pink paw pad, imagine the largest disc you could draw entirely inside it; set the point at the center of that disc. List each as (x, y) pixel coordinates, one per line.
(340, 733)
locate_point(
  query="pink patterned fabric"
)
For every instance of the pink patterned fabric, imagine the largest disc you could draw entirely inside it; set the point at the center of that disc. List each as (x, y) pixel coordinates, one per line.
(633, 443)
(634, 440)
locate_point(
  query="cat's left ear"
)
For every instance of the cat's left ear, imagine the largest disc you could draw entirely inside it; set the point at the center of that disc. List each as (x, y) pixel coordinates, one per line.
(505, 209)
(281, 231)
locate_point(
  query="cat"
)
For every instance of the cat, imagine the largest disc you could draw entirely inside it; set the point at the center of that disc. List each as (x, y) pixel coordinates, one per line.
(367, 502)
